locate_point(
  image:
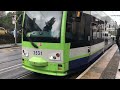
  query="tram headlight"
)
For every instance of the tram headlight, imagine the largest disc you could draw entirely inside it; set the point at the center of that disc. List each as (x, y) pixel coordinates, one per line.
(25, 53)
(55, 56)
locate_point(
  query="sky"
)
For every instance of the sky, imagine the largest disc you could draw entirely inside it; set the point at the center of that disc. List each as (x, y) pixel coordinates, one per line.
(8, 11)
(115, 15)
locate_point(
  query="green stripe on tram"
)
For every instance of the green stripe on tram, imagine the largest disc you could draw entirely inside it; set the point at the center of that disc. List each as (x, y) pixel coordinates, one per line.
(54, 46)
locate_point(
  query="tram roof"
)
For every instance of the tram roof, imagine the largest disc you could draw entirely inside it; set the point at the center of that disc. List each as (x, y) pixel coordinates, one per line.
(100, 15)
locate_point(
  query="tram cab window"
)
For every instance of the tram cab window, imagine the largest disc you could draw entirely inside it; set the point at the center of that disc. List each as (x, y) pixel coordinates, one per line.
(77, 29)
(74, 31)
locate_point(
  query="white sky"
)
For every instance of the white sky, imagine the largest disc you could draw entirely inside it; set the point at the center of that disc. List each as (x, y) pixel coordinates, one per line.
(115, 15)
(8, 11)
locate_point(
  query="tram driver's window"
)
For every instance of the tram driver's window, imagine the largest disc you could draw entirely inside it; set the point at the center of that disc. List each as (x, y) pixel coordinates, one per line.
(70, 29)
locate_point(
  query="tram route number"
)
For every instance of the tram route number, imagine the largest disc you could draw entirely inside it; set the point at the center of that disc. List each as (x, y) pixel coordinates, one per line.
(37, 52)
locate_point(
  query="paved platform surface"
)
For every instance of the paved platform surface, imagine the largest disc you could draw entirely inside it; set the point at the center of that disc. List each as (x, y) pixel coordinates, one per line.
(118, 72)
(106, 67)
(111, 70)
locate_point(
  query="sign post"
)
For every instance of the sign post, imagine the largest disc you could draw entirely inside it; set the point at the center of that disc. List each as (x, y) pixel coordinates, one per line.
(14, 22)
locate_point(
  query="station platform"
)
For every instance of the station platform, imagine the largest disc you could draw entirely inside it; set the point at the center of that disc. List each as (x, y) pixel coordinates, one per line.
(106, 67)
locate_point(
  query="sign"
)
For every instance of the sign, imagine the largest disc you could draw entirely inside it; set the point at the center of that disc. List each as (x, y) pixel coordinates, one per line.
(14, 33)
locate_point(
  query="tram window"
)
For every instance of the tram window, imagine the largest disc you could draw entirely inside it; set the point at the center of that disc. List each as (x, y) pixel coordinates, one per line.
(97, 28)
(74, 30)
(99, 32)
(69, 31)
(94, 30)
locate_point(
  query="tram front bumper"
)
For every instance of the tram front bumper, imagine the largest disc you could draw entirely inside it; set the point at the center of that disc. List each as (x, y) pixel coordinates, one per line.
(43, 68)
(37, 61)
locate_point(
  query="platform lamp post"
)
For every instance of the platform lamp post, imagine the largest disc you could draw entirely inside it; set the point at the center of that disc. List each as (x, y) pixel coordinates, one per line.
(14, 22)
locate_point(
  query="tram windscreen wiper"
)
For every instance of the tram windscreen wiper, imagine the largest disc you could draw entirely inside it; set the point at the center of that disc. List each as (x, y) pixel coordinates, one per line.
(33, 44)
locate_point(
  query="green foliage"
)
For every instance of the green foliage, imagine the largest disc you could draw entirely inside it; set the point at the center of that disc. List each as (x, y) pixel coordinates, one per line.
(19, 25)
(19, 21)
(6, 22)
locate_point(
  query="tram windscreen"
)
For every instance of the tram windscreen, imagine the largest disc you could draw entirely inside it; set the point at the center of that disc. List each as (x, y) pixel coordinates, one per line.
(42, 26)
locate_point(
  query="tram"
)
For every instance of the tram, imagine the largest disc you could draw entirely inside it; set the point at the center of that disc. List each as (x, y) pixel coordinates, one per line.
(62, 42)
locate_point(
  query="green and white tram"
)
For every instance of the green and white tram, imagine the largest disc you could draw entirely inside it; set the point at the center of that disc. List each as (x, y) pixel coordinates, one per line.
(61, 42)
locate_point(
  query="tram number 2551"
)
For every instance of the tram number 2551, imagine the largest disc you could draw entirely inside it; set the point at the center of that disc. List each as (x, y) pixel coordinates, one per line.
(37, 52)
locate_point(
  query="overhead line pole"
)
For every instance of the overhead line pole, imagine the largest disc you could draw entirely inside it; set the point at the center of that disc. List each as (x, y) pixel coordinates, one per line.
(14, 22)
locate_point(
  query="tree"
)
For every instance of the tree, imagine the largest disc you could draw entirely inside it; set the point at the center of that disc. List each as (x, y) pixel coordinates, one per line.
(6, 22)
(19, 15)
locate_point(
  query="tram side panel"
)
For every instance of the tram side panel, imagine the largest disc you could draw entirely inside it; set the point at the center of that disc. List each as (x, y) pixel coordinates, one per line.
(88, 43)
(79, 42)
(83, 43)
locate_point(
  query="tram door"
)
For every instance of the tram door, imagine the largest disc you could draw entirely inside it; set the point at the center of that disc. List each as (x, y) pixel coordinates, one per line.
(77, 34)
